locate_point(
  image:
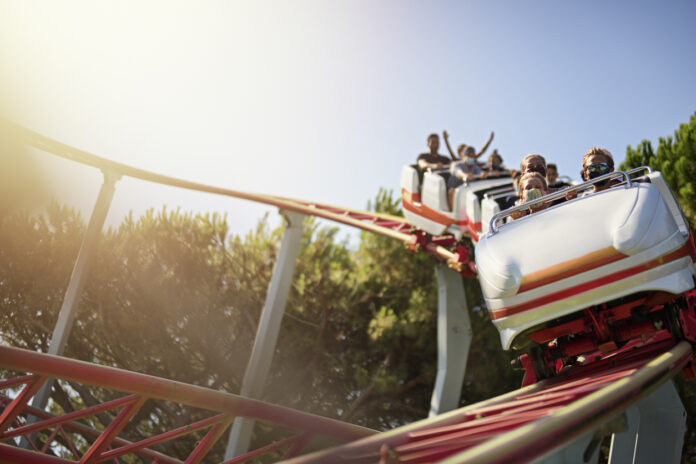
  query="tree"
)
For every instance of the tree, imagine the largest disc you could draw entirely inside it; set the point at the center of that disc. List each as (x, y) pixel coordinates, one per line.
(172, 294)
(676, 160)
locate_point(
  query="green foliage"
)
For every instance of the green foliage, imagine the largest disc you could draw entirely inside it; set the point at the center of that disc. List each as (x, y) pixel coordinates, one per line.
(676, 159)
(172, 294)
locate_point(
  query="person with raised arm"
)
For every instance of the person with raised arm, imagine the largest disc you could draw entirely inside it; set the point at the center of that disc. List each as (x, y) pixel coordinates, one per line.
(445, 135)
(432, 159)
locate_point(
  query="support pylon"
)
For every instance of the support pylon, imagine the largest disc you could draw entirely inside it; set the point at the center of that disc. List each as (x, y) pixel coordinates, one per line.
(453, 340)
(267, 332)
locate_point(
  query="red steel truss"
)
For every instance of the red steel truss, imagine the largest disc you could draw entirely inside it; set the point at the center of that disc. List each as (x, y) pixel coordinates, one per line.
(524, 423)
(137, 389)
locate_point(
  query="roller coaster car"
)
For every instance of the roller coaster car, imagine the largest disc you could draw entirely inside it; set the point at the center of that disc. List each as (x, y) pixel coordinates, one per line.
(590, 273)
(426, 206)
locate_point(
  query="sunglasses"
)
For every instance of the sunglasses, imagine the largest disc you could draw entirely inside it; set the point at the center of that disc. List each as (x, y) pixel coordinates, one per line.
(598, 167)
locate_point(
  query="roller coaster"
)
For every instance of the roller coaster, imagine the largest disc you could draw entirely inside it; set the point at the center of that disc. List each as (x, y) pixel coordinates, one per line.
(601, 324)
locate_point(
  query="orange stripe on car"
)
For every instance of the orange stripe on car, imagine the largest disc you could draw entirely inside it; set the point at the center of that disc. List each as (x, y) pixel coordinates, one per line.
(569, 268)
(587, 286)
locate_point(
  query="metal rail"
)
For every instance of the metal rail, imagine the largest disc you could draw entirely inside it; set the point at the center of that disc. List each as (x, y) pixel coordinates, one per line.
(385, 224)
(223, 408)
(525, 424)
(493, 226)
(516, 427)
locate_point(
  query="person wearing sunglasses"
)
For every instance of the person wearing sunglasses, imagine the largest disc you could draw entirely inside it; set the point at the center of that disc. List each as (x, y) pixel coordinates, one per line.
(596, 162)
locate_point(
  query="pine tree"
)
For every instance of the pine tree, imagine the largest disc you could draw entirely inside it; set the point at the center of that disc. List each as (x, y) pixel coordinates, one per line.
(676, 160)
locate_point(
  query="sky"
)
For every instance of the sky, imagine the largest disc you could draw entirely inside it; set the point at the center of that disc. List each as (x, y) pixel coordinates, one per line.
(327, 100)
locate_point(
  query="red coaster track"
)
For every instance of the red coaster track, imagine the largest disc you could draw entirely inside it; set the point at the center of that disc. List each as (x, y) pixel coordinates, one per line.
(519, 426)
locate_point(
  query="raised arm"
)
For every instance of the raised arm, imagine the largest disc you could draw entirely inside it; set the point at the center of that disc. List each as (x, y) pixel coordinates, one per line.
(445, 136)
(485, 147)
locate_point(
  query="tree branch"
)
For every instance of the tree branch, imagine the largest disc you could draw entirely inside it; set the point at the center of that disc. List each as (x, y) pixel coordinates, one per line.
(365, 395)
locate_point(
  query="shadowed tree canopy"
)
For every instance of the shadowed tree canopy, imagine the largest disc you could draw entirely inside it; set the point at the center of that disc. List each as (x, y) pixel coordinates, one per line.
(676, 159)
(173, 294)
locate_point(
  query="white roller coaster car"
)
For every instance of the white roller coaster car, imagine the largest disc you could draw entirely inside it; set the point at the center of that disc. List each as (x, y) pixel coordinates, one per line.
(598, 249)
(427, 206)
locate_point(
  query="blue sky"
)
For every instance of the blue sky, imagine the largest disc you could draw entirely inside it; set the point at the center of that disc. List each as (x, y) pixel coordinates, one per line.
(326, 100)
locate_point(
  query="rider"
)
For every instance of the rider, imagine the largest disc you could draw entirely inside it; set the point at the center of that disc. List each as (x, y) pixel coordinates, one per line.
(533, 163)
(530, 164)
(532, 185)
(445, 135)
(596, 162)
(494, 166)
(552, 178)
(432, 159)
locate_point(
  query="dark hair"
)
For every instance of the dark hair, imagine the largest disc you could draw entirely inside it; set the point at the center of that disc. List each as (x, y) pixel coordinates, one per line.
(465, 148)
(552, 166)
(433, 135)
(495, 153)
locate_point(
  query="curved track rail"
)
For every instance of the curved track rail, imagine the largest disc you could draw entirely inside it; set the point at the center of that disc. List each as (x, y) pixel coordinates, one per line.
(528, 423)
(221, 408)
(392, 226)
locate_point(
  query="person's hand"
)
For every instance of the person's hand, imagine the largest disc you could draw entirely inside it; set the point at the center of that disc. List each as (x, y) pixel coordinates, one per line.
(572, 194)
(537, 207)
(439, 166)
(470, 176)
(518, 214)
(483, 175)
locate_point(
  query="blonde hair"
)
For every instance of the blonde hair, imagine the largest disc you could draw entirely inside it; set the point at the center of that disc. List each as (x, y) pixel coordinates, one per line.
(529, 176)
(526, 159)
(598, 151)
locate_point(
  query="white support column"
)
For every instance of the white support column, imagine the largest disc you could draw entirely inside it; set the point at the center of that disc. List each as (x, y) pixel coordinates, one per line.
(453, 340)
(68, 310)
(656, 427)
(267, 332)
(652, 431)
(573, 453)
